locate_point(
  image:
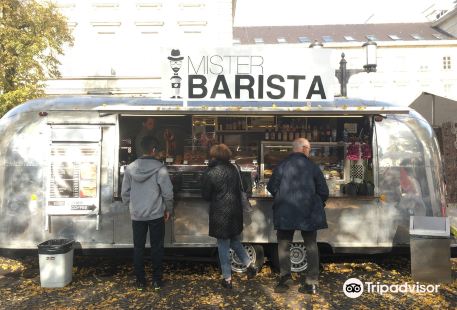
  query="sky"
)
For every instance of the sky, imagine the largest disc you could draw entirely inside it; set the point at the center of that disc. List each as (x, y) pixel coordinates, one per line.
(307, 12)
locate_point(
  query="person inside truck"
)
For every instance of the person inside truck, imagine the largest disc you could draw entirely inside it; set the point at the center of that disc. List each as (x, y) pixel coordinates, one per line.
(149, 128)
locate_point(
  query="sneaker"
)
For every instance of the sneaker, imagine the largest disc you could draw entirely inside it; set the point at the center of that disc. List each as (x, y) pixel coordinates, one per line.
(227, 284)
(308, 289)
(157, 285)
(251, 272)
(140, 285)
(283, 282)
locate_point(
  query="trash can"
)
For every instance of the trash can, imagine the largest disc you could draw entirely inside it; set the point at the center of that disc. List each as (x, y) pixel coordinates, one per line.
(430, 249)
(56, 262)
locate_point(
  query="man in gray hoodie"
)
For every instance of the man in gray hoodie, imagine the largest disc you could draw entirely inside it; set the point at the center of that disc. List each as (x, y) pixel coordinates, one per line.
(147, 189)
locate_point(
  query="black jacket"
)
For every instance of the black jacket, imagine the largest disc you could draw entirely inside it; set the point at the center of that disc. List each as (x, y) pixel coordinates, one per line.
(300, 191)
(221, 186)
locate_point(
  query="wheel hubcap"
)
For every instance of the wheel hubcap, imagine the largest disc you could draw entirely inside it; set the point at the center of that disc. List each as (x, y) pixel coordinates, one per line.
(298, 258)
(237, 265)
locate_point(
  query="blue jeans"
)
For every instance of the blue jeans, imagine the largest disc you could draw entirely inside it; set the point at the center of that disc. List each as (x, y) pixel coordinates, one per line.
(223, 247)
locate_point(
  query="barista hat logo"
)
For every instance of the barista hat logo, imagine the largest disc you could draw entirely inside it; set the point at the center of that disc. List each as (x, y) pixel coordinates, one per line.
(175, 60)
(353, 288)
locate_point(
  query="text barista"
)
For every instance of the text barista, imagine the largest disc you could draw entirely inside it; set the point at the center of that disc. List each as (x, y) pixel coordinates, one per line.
(248, 75)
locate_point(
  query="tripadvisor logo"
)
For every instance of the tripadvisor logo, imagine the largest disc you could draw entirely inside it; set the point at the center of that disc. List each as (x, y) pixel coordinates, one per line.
(353, 288)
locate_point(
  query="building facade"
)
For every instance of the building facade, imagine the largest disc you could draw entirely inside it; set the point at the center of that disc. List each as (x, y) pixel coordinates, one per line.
(118, 43)
(118, 46)
(411, 58)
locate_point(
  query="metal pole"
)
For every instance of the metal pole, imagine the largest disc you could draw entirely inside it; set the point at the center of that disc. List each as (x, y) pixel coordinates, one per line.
(343, 74)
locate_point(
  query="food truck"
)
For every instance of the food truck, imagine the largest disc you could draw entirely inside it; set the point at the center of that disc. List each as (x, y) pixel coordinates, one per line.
(62, 161)
(62, 158)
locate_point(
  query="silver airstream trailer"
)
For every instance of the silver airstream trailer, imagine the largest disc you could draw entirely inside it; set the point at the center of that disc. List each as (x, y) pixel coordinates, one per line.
(62, 159)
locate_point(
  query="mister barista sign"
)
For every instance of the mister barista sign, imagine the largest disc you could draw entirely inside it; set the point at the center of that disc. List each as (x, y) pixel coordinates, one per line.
(247, 73)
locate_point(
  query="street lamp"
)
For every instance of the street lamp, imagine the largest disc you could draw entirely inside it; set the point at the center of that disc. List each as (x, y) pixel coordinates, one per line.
(343, 74)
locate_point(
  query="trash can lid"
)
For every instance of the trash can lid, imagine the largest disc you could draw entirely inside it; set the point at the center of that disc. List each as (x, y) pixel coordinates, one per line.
(429, 226)
(55, 246)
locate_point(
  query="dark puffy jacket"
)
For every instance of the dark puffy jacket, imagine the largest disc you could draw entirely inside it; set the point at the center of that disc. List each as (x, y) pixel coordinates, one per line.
(300, 192)
(221, 186)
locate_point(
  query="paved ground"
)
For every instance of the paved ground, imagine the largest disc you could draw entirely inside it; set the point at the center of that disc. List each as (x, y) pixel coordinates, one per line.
(107, 283)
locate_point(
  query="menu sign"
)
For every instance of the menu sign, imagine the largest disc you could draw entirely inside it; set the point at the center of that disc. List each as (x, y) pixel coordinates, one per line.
(73, 179)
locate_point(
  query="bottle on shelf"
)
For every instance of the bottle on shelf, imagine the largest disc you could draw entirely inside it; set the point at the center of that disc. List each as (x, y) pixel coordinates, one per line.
(273, 134)
(334, 134)
(315, 134)
(328, 133)
(267, 134)
(279, 135)
(303, 132)
(308, 133)
(321, 134)
(296, 133)
(285, 134)
(291, 134)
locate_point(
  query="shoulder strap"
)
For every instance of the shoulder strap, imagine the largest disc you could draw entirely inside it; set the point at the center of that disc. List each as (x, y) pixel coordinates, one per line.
(239, 176)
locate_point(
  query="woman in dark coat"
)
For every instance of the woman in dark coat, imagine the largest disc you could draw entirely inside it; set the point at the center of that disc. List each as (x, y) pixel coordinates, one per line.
(221, 186)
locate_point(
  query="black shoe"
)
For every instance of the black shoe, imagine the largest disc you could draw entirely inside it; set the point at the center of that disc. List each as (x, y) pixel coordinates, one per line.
(285, 279)
(283, 282)
(157, 285)
(251, 272)
(308, 289)
(140, 285)
(281, 288)
(226, 284)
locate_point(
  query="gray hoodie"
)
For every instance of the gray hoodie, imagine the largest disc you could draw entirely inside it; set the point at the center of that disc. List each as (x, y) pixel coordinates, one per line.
(147, 188)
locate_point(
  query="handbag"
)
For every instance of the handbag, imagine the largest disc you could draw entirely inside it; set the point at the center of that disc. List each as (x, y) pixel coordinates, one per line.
(247, 207)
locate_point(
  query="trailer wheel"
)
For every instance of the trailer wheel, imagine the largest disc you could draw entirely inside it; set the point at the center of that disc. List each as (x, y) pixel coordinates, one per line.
(298, 259)
(255, 253)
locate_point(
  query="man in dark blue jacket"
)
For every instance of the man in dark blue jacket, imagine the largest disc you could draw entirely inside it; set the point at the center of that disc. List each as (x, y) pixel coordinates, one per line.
(300, 191)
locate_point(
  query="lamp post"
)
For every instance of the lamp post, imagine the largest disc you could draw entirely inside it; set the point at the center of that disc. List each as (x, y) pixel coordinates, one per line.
(343, 74)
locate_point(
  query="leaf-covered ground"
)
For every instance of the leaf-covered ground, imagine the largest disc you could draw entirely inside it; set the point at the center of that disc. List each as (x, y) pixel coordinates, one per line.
(106, 282)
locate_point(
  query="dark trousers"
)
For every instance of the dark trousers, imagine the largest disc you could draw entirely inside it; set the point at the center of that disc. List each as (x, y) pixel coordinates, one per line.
(156, 236)
(312, 253)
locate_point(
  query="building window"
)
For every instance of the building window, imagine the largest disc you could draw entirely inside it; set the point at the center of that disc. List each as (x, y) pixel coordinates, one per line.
(447, 62)
(258, 41)
(394, 37)
(372, 37)
(417, 36)
(304, 39)
(423, 68)
(349, 38)
(327, 38)
(282, 40)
